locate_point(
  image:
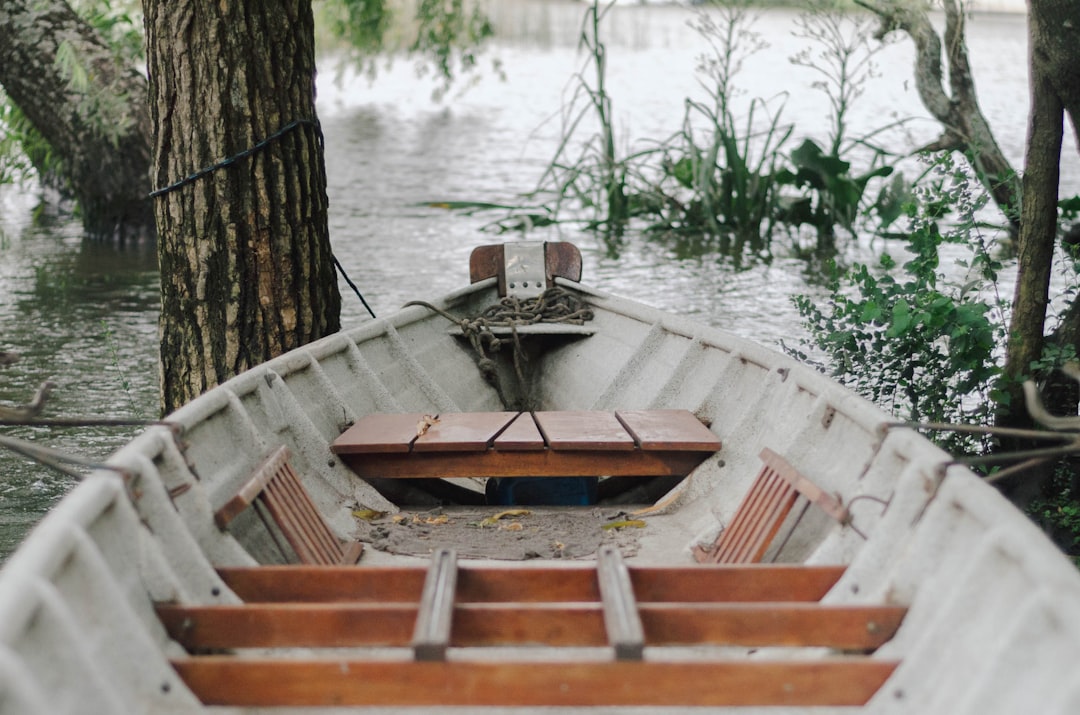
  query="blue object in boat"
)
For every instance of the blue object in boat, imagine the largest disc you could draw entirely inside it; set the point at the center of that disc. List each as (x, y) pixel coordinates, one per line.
(542, 491)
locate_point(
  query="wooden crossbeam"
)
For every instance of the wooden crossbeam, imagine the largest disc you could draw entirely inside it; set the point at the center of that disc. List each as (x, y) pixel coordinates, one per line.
(572, 582)
(431, 636)
(261, 682)
(621, 620)
(325, 625)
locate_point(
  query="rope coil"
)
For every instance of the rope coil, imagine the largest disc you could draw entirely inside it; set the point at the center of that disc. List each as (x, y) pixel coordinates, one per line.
(554, 305)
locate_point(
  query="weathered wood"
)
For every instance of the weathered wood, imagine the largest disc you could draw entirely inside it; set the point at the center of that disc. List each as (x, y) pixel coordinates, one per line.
(255, 682)
(334, 625)
(463, 432)
(278, 487)
(380, 433)
(621, 620)
(583, 430)
(571, 583)
(668, 429)
(572, 443)
(521, 434)
(431, 636)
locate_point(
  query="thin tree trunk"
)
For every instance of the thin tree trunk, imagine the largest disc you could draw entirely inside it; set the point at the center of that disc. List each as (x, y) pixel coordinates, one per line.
(99, 132)
(244, 250)
(965, 127)
(1055, 84)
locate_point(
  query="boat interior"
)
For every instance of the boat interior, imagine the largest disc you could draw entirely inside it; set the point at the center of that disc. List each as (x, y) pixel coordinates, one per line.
(319, 533)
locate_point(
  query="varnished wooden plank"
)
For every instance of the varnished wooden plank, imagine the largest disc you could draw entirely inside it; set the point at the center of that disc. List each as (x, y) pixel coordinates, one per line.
(281, 625)
(546, 463)
(325, 625)
(462, 432)
(572, 582)
(621, 620)
(265, 682)
(583, 430)
(431, 636)
(734, 583)
(668, 429)
(368, 584)
(521, 435)
(379, 433)
(854, 628)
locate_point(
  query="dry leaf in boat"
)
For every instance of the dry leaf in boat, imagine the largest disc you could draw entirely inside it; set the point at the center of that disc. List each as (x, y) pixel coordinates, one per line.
(440, 519)
(368, 514)
(624, 524)
(512, 526)
(399, 518)
(424, 424)
(493, 519)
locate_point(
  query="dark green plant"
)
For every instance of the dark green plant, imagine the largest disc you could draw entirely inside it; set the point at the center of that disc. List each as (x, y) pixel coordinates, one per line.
(832, 196)
(1059, 514)
(931, 343)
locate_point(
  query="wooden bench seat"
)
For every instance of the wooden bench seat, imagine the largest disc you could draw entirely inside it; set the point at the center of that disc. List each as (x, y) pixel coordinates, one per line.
(638, 443)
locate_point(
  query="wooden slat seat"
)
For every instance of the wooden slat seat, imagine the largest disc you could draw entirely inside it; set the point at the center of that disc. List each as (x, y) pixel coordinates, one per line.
(613, 606)
(637, 443)
(763, 510)
(277, 487)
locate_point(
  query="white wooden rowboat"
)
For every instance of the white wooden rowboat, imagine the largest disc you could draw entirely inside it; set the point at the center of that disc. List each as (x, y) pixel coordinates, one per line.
(153, 589)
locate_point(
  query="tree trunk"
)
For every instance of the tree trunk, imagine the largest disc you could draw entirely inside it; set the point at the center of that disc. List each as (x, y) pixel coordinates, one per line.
(965, 127)
(1038, 229)
(1055, 86)
(100, 131)
(244, 250)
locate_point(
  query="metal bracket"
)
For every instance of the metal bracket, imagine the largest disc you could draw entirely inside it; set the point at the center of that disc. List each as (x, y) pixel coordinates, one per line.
(526, 268)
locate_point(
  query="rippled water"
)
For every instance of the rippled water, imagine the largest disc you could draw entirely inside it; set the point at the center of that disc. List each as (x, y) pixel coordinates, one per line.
(84, 315)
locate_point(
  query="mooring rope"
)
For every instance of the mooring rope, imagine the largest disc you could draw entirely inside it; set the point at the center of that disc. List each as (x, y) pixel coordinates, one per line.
(554, 305)
(240, 155)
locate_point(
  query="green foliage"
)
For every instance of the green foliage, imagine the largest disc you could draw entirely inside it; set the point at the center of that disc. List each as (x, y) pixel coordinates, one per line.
(1059, 514)
(446, 34)
(723, 180)
(932, 344)
(832, 196)
(23, 151)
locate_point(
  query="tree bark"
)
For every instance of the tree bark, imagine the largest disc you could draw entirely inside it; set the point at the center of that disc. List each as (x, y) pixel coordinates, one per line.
(244, 250)
(1038, 229)
(965, 127)
(1054, 29)
(100, 132)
